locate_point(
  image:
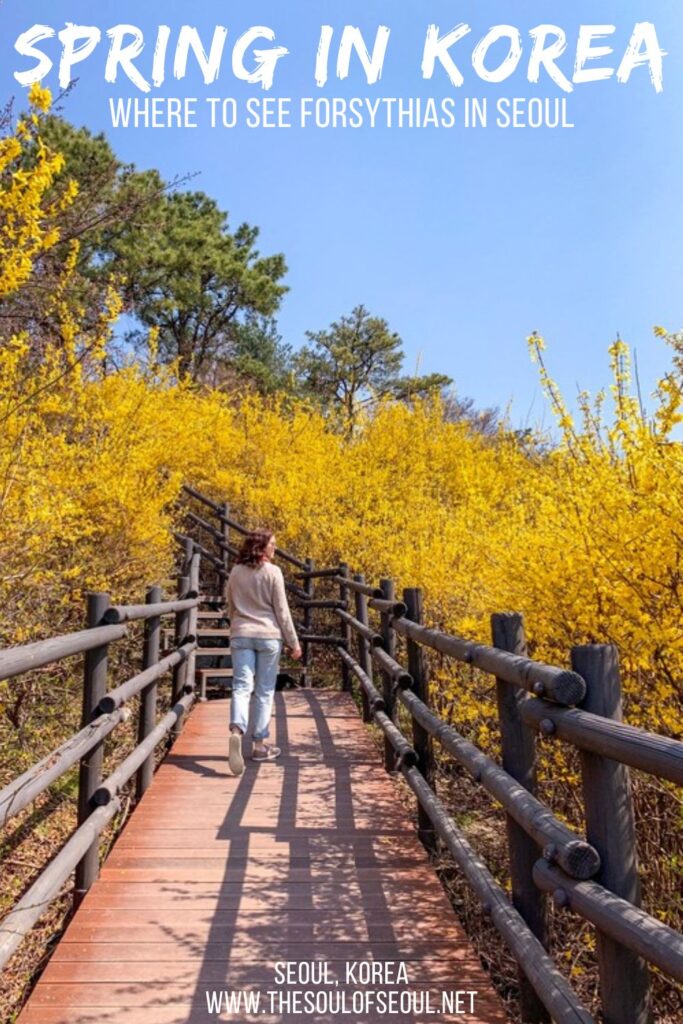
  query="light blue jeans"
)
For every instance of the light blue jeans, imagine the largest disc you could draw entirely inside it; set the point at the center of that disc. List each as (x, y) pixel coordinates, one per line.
(255, 663)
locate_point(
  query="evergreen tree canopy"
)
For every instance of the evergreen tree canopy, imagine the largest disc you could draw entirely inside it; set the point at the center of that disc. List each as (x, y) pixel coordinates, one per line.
(356, 361)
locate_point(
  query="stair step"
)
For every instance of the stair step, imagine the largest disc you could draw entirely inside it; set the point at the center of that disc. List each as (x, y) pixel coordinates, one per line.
(218, 614)
(227, 673)
(200, 652)
(169, 634)
(225, 652)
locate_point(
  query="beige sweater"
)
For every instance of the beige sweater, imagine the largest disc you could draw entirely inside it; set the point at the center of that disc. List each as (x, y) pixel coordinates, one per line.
(257, 604)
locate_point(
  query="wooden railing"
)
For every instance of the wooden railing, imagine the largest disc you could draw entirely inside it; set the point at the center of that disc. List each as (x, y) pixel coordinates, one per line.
(103, 711)
(595, 876)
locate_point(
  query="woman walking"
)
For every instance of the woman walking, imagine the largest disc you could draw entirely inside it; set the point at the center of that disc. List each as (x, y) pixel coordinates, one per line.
(260, 621)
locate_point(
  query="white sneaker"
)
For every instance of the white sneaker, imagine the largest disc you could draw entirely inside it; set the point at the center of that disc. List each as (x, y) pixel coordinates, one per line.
(266, 753)
(235, 757)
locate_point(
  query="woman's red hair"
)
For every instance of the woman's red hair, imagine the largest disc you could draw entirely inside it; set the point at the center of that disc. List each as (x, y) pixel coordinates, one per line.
(254, 547)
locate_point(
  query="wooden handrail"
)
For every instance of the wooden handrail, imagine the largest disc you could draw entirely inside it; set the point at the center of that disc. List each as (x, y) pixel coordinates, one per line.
(554, 990)
(551, 986)
(14, 661)
(24, 789)
(118, 778)
(132, 612)
(375, 699)
(557, 684)
(102, 715)
(571, 868)
(48, 885)
(570, 863)
(397, 609)
(373, 638)
(359, 587)
(578, 858)
(657, 755)
(118, 697)
(318, 574)
(217, 509)
(629, 925)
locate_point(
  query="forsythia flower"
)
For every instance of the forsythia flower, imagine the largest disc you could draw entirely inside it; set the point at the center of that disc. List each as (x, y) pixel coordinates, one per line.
(27, 214)
(40, 98)
(582, 537)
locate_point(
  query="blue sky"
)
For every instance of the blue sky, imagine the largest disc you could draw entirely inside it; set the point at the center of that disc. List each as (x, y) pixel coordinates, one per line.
(465, 240)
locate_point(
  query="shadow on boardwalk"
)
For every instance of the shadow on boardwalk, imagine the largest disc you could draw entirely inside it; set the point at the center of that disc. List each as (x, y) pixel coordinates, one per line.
(310, 860)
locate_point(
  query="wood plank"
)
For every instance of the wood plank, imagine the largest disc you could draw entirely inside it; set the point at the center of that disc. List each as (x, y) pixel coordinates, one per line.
(252, 929)
(235, 895)
(249, 873)
(257, 940)
(296, 857)
(184, 844)
(283, 949)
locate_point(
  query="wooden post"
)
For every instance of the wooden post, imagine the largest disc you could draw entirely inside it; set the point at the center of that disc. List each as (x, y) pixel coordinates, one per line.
(188, 551)
(518, 744)
(308, 619)
(345, 628)
(364, 659)
(610, 828)
(389, 644)
(182, 629)
(193, 624)
(225, 554)
(148, 697)
(90, 773)
(422, 741)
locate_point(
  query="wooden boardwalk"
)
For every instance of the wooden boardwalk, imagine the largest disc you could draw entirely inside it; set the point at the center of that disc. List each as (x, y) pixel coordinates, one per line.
(216, 878)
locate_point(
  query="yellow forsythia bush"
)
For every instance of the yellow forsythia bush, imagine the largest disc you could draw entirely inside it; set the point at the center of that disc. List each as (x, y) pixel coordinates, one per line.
(581, 541)
(583, 538)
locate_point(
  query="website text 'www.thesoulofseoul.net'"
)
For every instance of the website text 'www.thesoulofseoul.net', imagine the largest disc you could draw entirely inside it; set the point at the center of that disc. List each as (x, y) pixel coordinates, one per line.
(356, 989)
